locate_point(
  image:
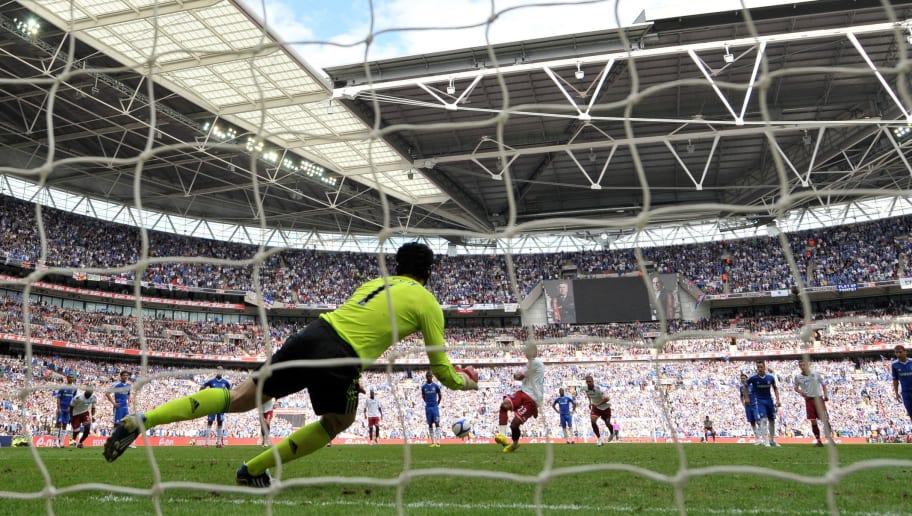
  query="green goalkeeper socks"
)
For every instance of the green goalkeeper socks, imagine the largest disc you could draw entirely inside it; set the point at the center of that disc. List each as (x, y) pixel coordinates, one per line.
(303, 442)
(202, 403)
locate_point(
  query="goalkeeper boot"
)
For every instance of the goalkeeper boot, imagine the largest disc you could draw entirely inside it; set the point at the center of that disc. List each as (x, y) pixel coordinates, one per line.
(501, 439)
(510, 448)
(244, 478)
(123, 436)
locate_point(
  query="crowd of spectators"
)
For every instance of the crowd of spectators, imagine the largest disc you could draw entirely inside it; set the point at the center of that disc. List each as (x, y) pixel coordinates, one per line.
(642, 391)
(652, 400)
(866, 252)
(761, 333)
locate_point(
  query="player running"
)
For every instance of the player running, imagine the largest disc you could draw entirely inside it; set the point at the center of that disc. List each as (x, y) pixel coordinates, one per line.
(523, 403)
(810, 385)
(764, 386)
(64, 397)
(216, 383)
(565, 405)
(599, 408)
(432, 396)
(83, 412)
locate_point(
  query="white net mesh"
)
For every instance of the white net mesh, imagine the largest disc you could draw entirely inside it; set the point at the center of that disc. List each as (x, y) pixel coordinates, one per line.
(799, 158)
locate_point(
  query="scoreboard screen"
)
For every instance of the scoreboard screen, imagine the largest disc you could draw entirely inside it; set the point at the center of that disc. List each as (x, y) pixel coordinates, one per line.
(606, 300)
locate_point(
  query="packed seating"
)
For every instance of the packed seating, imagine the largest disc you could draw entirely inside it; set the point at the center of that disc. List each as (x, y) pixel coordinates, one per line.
(861, 402)
(871, 251)
(761, 333)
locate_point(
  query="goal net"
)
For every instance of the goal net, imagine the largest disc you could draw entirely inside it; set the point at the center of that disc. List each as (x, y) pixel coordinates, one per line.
(676, 160)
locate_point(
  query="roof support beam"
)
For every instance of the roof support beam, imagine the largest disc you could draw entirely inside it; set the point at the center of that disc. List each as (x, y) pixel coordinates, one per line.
(213, 59)
(639, 54)
(789, 128)
(293, 100)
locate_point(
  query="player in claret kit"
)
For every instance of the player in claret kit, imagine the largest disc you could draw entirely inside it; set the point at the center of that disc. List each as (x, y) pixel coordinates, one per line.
(523, 403)
(355, 334)
(599, 408)
(82, 410)
(810, 385)
(708, 430)
(266, 424)
(373, 412)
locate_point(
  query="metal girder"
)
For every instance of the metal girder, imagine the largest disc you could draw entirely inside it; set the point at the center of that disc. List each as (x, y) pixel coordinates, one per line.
(466, 202)
(638, 54)
(293, 100)
(759, 129)
(212, 59)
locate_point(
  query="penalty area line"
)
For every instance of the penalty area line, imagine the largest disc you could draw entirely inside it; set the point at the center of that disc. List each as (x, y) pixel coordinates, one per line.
(624, 509)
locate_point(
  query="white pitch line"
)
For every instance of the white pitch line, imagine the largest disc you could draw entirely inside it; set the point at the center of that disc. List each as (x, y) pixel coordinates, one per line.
(488, 506)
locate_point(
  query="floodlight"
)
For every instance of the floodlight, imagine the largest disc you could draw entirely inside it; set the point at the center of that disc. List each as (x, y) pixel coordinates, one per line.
(579, 72)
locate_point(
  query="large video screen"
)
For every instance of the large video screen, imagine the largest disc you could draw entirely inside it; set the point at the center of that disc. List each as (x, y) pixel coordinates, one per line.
(605, 300)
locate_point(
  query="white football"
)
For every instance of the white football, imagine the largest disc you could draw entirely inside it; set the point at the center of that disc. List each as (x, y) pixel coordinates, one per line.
(462, 428)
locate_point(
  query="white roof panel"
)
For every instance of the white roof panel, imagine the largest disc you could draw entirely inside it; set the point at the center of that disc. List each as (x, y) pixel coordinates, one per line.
(342, 153)
(293, 120)
(377, 151)
(339, 121)
(125, 30)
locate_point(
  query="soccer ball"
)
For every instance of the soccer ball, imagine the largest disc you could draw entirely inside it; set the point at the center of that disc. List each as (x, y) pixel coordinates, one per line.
(462, 428)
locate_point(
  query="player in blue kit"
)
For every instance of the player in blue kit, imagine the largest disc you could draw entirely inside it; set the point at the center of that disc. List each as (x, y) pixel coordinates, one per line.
(565, 406)
(902, 377)
(216, 383)
(64, 397)
(764, 386)
(745, 391)
(430, 392)
(119, 396)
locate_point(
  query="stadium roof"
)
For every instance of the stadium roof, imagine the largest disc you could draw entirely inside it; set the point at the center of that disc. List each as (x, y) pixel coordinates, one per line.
(678, 94)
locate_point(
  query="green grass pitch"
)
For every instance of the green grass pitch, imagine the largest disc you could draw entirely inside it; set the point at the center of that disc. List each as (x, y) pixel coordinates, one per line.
(563, 479)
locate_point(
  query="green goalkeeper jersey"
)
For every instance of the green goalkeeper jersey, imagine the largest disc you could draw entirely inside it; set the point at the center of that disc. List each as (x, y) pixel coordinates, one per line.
(364, 322)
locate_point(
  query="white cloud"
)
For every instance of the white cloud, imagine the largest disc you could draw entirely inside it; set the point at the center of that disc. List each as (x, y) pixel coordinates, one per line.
(412, 27)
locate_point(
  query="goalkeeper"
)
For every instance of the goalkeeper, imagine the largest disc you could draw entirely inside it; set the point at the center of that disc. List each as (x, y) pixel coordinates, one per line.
(359, 330)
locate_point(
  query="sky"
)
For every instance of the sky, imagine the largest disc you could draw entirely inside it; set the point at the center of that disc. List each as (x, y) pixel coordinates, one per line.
(411, 27)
